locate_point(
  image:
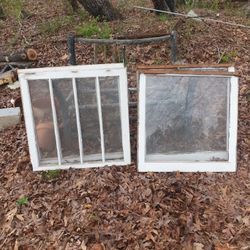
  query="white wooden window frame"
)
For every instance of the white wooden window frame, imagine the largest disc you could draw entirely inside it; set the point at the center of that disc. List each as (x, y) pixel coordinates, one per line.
(73, 72)
(162, 165)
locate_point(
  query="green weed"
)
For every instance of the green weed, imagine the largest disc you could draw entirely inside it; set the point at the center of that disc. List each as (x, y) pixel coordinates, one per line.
(105, 31)
(94, 217)
(82, 14)
(51, 174)
(88, 30)
(230, 9)
(122, 4)
(212, 5)
(22, 201)
(94, 28)
(228, 57)
(190, 27)
(163, 17)
(187, 3)
(53, 26)
(158, 61)
(12, 7)
(14, 39)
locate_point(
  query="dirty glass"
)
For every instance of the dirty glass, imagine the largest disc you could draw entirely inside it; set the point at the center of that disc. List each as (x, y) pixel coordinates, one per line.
(42, 113)
(109, 89)
(66, 119)
(186, 114)
(89, 119)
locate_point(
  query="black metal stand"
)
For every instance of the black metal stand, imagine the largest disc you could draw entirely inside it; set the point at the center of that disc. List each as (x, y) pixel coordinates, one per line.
(73, 40)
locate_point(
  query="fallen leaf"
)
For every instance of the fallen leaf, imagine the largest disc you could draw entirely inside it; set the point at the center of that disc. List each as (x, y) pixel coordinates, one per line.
(16, 247)
(97, 246)
(248, 210)
(65, 219)
(198, 246)
(9, 218)
(246, 220)
(20, 217)
(224, 191)
(147, 192)
(83, 246)
(88, 206)
(64, 57)
(223, 247)
(10, 215)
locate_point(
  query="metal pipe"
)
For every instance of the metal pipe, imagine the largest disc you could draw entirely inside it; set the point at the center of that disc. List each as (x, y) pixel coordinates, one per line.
(123, 41)
(71, 49)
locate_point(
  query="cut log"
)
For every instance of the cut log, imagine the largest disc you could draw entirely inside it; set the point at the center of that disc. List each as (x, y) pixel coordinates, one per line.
(8, 77)
(23, 56)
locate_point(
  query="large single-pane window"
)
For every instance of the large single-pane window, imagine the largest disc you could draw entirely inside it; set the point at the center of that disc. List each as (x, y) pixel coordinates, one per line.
(187, 122)
(76, 116)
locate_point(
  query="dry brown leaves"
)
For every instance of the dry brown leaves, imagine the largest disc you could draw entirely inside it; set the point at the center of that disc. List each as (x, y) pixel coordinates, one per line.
(117, 207)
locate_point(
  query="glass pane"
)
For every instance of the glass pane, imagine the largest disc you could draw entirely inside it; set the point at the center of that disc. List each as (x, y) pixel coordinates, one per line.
(111, 117)
(42, 112)
(66, 118)
(186, 115)
(89, 119)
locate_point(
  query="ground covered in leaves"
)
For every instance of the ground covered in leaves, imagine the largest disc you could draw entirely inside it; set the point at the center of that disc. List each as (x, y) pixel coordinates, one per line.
(117, 207)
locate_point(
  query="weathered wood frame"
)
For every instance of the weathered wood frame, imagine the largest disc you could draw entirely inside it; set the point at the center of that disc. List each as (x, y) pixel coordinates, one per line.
(74, 72)
(189, 166)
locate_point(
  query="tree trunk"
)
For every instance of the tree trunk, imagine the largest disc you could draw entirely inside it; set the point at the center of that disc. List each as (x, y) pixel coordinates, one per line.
(171, 5)
(74, 5)
(2, 14)
(101, 8)
(164, 5)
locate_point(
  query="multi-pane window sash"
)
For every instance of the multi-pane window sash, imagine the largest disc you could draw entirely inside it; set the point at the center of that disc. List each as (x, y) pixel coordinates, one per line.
(187, 120)
(76, 116)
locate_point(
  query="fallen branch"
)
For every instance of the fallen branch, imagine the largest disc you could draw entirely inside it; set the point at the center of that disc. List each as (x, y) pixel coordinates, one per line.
(201, 18)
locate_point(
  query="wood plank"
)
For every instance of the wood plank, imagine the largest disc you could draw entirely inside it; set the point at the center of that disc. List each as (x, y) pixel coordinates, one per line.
(8, 77)
(176, 66)
(187, 72)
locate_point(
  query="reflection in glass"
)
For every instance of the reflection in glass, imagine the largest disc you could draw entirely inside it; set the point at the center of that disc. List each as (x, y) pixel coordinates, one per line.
(42, 112)
(66, 118)
(111, 117)
(89, 118)
(186, 114)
